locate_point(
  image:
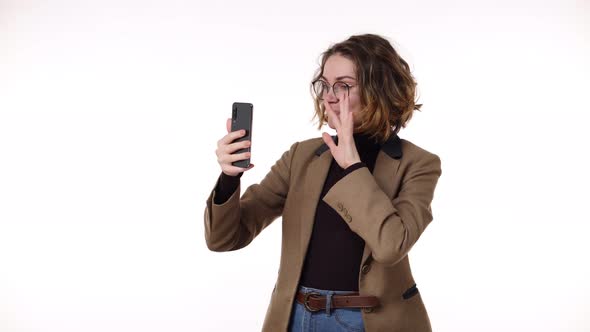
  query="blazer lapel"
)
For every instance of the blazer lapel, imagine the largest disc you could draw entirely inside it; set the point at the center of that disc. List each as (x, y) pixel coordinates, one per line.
(384, 173)
(318, 171)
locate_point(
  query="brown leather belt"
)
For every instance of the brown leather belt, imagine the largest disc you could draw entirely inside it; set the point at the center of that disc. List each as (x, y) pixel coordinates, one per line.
(315, 302)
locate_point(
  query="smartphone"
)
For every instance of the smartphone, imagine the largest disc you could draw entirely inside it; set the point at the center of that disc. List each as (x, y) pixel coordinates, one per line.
(241, 118)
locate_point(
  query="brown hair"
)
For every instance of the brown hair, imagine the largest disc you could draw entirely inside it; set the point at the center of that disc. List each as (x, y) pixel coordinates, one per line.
(387, 87)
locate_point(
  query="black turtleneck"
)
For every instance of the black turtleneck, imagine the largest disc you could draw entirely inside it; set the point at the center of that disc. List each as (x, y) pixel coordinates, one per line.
(334, 253)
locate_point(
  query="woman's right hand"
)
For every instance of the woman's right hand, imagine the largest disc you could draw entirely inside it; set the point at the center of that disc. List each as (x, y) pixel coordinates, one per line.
(225, 148)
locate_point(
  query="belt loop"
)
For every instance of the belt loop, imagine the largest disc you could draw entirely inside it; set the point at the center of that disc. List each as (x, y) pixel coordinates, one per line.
(329, 302)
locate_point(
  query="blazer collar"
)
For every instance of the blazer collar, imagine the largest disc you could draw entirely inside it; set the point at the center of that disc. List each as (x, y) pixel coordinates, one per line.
(392, 147)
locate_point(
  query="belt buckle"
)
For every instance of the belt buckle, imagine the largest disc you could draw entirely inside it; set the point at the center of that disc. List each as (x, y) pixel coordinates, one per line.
(307, 295)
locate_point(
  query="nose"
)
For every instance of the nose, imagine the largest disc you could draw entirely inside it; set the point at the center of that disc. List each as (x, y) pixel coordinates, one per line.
(330, 96)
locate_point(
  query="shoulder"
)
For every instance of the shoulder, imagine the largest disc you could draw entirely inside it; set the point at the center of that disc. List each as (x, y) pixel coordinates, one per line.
(305, 147)
(417, 155)
(310, 145)
(301, 153)
(413, 151)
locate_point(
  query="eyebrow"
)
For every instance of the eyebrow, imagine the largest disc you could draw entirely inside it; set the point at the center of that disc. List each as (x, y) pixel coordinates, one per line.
(340, 77)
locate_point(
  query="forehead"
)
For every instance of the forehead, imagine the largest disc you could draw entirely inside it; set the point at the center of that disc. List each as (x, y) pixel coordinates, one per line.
(337, 66)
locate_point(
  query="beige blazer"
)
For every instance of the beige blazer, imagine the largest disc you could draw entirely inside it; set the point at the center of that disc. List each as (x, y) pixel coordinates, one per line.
(389, 209)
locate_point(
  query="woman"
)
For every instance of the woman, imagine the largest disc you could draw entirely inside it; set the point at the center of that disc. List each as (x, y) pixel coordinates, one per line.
(352, 205)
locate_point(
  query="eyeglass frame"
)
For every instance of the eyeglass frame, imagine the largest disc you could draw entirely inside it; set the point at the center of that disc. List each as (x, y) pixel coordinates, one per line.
(348, 86)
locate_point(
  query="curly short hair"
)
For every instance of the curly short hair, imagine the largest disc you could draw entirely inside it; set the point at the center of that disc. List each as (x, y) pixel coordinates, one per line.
(387, 87)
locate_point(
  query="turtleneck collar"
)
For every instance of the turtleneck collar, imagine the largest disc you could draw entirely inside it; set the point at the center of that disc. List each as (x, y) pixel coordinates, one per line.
(392, 147)
(365, 142)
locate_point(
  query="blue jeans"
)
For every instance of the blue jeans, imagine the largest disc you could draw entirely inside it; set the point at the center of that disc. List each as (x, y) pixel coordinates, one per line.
(328, 320)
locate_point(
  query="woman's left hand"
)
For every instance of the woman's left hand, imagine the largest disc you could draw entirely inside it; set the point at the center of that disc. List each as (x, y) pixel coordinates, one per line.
(345, 153)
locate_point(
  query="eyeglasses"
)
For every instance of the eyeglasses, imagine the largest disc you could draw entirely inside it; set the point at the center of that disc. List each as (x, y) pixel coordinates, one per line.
(321, 88)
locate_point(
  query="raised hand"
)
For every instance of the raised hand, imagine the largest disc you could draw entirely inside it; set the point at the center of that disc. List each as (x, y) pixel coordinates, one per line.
(225, 150)
(345, 153)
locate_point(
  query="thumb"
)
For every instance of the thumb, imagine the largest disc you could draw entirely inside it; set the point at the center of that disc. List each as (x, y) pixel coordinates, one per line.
(329, 141)
(228, 125)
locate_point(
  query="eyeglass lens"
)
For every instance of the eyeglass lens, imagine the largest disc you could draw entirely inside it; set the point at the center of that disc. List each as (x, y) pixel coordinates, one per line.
(321, 89)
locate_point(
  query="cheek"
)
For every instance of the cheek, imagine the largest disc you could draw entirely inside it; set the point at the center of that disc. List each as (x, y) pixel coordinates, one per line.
(355, 105)
(355, 102)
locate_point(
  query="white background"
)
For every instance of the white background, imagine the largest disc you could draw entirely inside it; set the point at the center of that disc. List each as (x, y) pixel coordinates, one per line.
(110, 112)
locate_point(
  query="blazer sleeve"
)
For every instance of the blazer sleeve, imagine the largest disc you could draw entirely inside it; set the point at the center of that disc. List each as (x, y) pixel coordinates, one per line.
(389, 227)
(233, 224)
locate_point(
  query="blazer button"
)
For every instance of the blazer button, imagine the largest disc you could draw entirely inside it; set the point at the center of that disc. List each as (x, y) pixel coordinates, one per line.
(367, 310)
(366, 268)
(340, 206)
(348, 218)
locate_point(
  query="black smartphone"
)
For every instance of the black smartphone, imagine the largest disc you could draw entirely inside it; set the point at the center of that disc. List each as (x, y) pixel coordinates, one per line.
(241, 118)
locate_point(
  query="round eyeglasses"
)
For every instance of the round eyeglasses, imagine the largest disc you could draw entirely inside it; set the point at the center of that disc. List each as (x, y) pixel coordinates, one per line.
(321, 88)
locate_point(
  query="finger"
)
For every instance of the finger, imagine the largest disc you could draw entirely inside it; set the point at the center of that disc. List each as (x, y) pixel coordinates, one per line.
(228, 125)
(345, 104)
(229, 138)
(332, 114)
(233, 169)
(344, 110)
(347, 121)
(348, 112)
(230, 158)
(239, 156)
(236, 169)
(233, 147)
